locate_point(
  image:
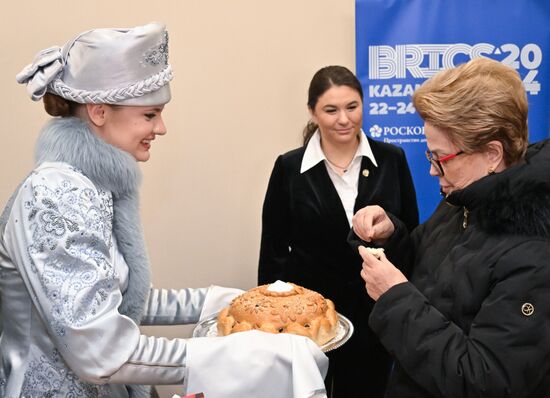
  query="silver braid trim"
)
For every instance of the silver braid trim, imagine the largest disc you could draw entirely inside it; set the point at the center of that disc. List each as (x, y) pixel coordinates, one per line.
(112, 96)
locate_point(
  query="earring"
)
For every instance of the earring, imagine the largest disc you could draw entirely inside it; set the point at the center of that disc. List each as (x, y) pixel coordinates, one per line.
(491, 171)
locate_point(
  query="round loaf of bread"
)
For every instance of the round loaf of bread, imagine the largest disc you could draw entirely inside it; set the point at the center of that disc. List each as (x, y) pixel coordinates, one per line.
(297, 310)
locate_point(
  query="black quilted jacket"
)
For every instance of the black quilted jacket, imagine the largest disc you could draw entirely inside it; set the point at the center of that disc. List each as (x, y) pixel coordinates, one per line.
(474, 320)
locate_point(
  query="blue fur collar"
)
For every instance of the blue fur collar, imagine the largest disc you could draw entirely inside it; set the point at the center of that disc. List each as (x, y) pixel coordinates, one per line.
(71, 141)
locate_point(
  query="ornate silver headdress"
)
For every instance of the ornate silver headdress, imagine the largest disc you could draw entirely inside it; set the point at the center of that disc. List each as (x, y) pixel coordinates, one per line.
(105, 66)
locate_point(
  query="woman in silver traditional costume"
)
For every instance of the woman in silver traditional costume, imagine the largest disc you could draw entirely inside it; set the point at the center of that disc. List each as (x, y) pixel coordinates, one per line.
(74, 273)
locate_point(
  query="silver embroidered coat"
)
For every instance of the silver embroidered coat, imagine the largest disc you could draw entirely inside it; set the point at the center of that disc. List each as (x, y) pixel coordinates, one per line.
(71, 250)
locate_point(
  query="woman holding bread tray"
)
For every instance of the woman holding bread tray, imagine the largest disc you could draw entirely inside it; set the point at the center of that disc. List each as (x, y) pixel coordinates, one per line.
(75, 281)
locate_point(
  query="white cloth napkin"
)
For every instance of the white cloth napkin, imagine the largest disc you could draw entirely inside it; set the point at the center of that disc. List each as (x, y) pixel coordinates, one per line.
(256, 364)
(217, 297)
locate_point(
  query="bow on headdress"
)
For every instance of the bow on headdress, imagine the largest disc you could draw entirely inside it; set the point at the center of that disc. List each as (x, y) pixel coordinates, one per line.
(47, 64)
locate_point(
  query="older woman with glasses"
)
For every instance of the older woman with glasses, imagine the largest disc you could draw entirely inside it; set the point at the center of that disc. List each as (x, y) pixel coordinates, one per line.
(466, 312)
(436, 162)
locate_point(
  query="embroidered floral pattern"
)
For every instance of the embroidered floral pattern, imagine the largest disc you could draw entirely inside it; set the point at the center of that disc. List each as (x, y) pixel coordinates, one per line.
(158, 54)
(72, 225)
(2, 386)
(49, 377)
(44, 377)
(61, 260)
(69, 252)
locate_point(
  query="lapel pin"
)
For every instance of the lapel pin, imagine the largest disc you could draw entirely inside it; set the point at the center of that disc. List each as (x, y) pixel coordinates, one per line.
(365, 172)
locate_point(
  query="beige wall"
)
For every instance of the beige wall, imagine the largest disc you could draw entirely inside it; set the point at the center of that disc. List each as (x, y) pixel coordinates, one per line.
(242, 68)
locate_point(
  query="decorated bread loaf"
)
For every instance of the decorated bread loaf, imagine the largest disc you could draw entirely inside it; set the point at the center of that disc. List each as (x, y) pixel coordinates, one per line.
(281, 308)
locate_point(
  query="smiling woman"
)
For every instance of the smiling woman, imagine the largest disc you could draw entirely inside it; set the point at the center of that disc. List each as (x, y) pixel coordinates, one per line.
(76, 283)
(130, 128)
(311, 198)
(338, 114)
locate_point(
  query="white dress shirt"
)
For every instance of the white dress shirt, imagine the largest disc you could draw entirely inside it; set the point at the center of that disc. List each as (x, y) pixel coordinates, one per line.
(346, 185)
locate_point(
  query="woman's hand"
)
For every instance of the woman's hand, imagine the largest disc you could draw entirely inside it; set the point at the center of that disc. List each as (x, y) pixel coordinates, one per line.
(371, 223)
(379, 274)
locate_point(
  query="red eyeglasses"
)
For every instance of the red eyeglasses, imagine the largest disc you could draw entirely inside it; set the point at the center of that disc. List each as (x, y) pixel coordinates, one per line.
(436, 163)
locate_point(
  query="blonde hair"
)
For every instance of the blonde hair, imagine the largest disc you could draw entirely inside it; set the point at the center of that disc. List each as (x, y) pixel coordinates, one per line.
(477, 102)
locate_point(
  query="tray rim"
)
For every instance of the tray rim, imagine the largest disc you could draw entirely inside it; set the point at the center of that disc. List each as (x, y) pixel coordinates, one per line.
(330, 345)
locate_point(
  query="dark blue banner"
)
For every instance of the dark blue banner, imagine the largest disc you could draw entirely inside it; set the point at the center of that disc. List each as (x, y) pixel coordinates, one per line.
(401, 43)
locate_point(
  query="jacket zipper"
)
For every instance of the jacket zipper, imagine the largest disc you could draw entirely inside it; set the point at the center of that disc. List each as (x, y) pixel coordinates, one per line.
(465, 221)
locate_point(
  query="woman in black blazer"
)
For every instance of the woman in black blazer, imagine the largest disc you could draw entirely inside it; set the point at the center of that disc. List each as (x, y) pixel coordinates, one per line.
(312, 195)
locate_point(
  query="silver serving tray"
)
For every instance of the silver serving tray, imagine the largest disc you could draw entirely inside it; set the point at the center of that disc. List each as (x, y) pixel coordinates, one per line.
(209, 328)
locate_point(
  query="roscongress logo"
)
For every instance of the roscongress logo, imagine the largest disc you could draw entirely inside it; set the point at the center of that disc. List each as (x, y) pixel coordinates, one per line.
(375, 131)
(398, 134)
